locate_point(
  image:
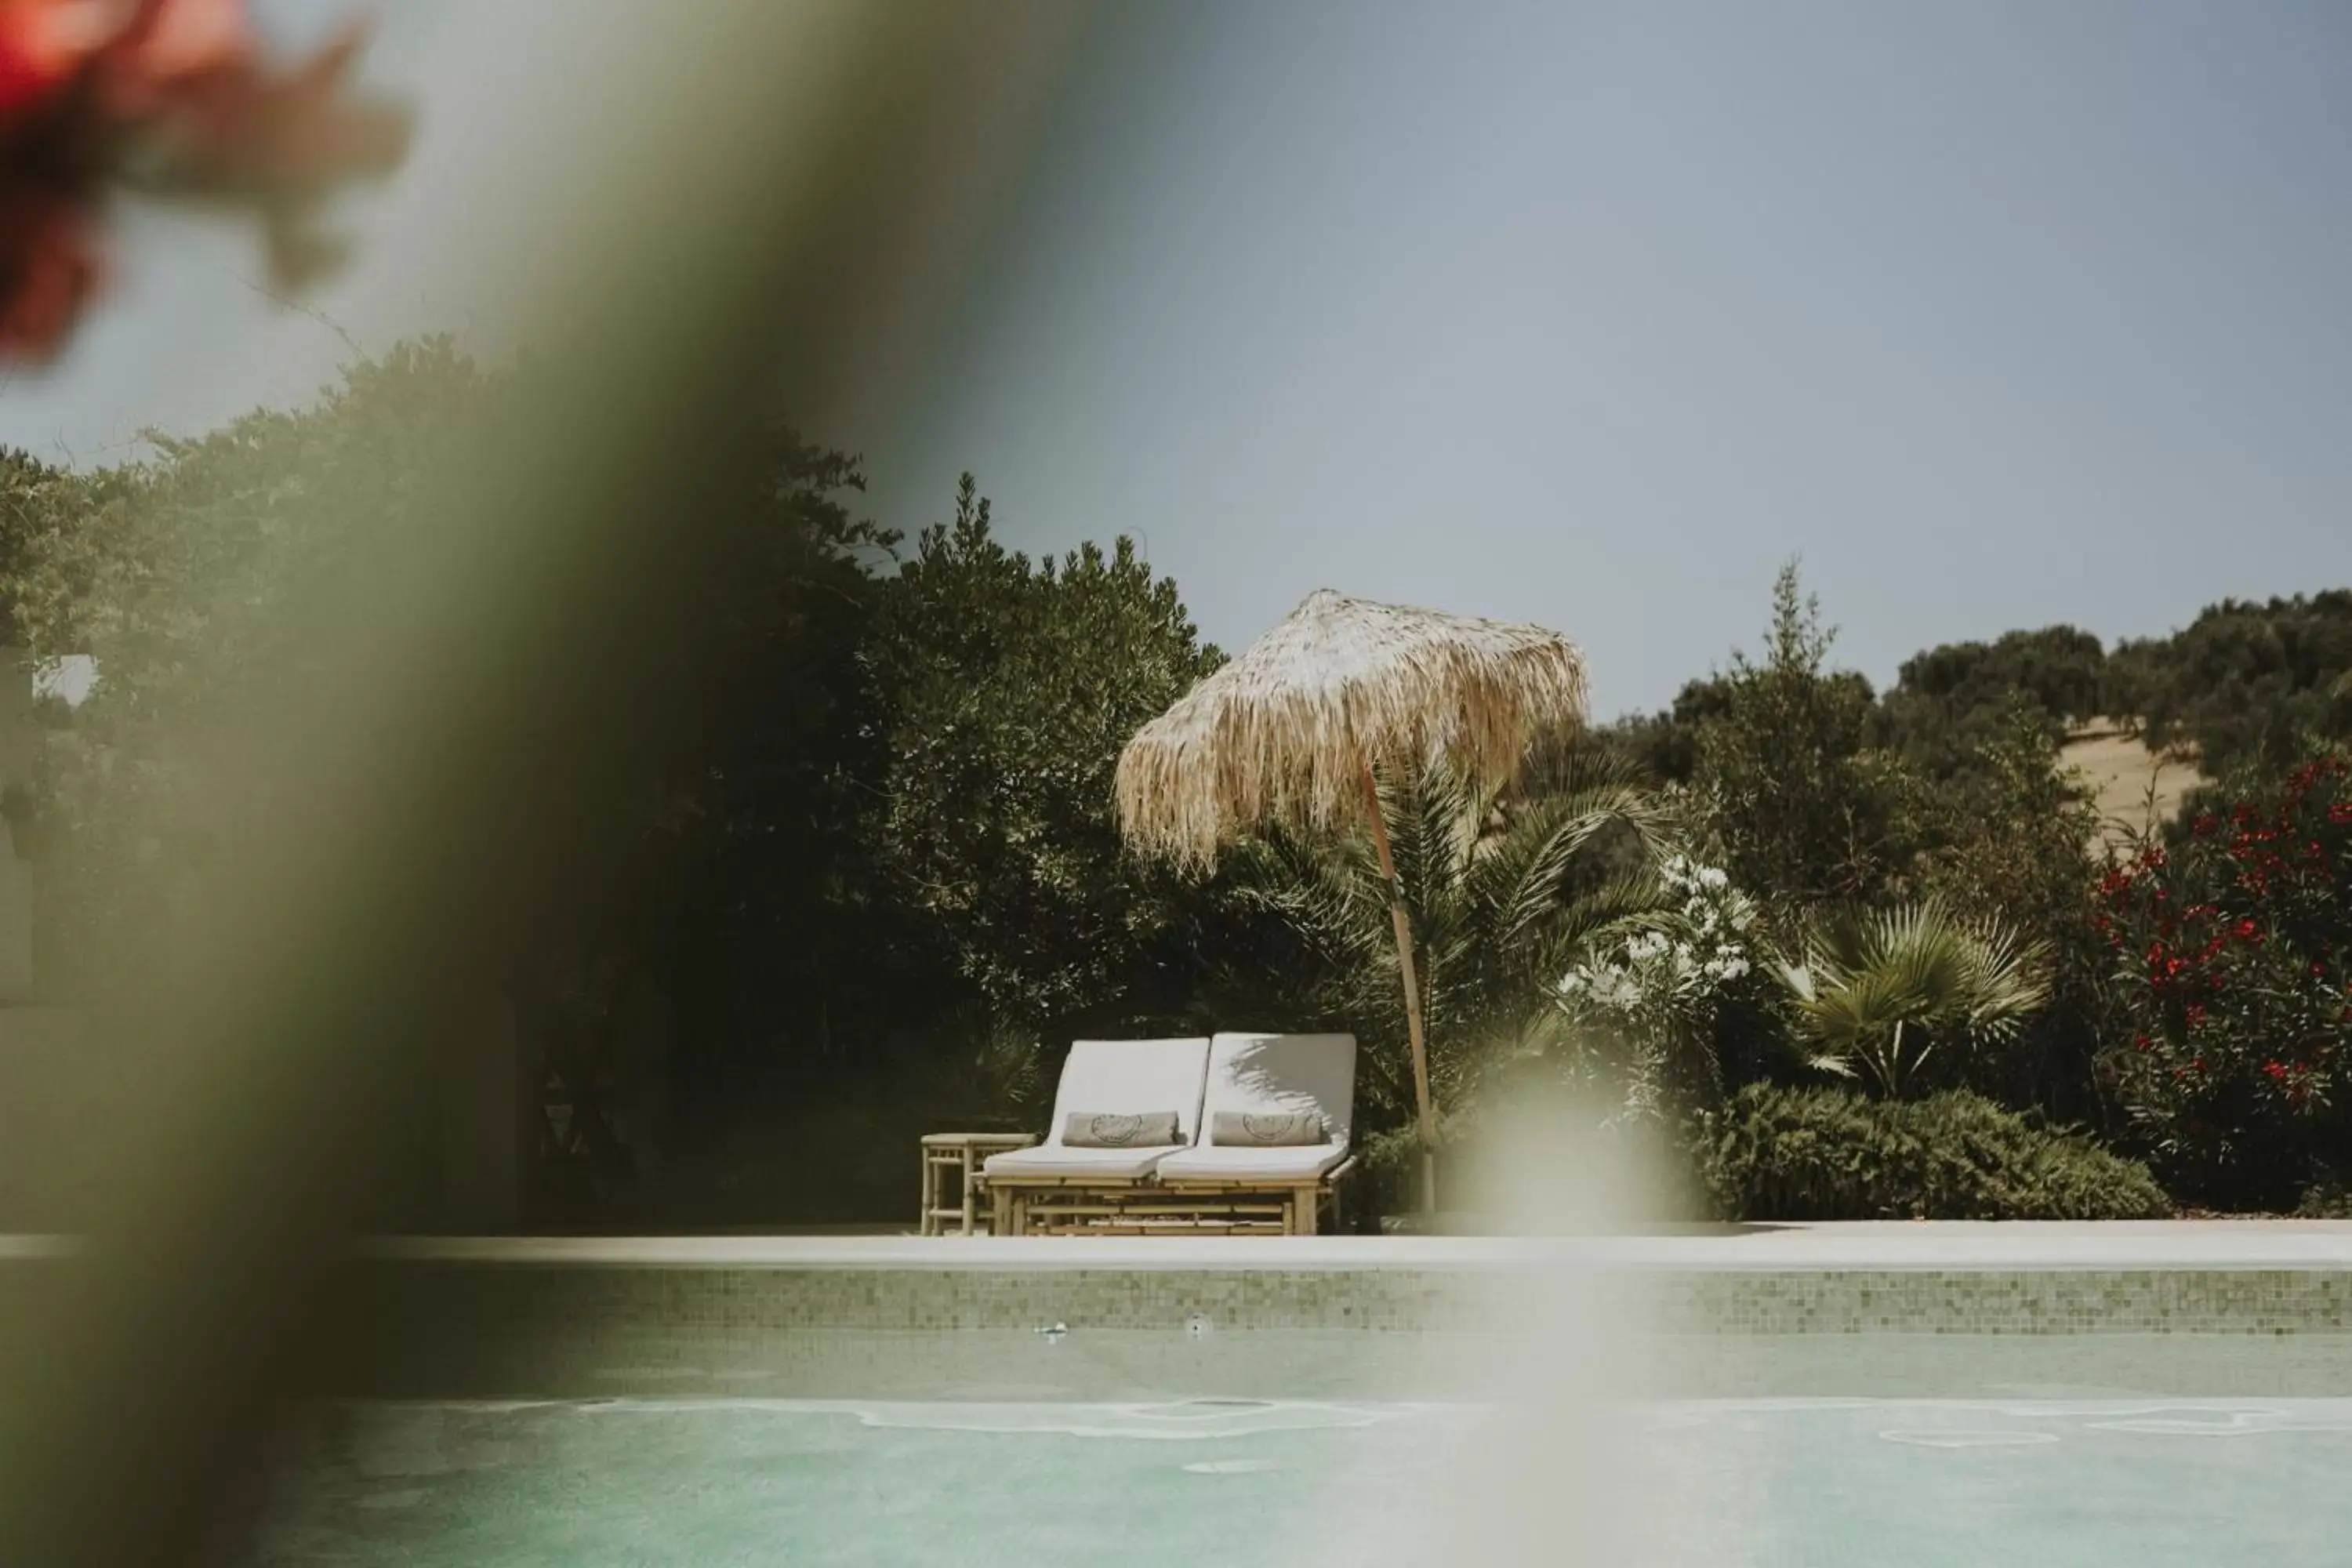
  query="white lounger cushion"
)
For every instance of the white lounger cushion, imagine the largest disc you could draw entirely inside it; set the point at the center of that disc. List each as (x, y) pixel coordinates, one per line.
(1265, 1074)
(1061, 1159)
(1139, 1077)
(1215, 1162)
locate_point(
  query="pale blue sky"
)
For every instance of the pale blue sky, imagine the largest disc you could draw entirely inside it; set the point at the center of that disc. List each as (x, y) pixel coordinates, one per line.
(1588, 314)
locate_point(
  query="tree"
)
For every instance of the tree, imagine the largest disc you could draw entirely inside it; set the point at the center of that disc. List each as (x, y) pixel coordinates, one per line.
(1666, 744)
(1805, 808)
(34, 496)
(1006, 689)
(731, 870)
(1878, 993)
(1949, 702)
(2244, 679)
(200, 580)
(2015, 833)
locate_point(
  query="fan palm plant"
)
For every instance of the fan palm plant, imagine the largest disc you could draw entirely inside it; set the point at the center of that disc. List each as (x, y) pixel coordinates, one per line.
(1877, 993)
(1504, 892)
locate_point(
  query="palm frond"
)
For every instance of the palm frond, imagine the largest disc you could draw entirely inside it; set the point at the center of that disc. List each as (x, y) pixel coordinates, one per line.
(1603, 916)
(1332, 903)
(1503, 899)
(1868, 979)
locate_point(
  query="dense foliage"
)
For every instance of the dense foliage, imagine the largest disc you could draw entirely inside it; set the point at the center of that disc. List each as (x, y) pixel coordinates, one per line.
(1829, 1154)
(873, 869)
(872, 880)
(1950, 702)
(2242, 682)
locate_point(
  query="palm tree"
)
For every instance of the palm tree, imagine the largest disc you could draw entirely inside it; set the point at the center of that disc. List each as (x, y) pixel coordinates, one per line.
(1504, 892)
(1877, 993)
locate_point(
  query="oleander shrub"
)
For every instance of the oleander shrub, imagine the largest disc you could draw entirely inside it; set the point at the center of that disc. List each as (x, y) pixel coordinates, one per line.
(1829, 1154)
(2231, 1044)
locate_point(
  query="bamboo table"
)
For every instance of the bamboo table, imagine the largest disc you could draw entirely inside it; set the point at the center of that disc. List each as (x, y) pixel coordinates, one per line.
(962, 1153)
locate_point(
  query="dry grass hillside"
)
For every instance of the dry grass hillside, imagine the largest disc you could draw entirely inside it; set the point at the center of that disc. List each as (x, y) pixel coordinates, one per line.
(2121, 772)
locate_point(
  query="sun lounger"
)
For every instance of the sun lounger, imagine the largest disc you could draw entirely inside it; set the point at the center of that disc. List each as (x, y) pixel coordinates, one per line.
(1274, 1126)
(1092, 1157)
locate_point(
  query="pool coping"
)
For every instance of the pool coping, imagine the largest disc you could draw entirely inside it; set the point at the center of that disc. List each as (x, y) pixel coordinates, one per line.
(1946, 1246)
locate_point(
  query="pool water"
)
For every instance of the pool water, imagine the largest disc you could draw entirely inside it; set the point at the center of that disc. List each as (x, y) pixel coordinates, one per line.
(1301, 1483)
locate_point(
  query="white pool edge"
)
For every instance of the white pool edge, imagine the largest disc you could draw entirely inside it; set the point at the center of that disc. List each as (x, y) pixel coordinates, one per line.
(2261, 1246)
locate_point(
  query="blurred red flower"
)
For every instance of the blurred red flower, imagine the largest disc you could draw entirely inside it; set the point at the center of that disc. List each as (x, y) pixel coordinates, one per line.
(168, 98)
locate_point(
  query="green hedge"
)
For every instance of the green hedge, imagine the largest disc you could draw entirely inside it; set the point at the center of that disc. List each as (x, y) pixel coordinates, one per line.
(1778, 1153)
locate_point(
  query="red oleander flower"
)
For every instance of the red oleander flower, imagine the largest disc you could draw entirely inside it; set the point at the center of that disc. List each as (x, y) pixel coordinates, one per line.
(2196, 1014)
(170, 98)
(2340, 812)
(49, 268)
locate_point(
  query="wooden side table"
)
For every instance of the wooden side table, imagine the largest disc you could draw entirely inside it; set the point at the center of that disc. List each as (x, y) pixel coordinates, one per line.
(962, 1153)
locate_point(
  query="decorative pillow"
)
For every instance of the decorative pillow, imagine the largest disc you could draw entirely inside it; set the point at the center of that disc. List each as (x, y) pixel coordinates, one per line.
(1101, 1129)
(1280, 1129)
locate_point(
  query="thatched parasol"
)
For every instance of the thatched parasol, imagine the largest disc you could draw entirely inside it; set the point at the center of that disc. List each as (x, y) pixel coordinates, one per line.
(1292, 731)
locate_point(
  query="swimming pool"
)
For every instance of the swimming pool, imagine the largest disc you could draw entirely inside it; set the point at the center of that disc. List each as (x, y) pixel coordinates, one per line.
(2020, 1397)
(1796, 1483)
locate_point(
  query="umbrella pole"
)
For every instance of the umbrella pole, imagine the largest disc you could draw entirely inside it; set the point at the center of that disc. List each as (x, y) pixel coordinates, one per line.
(1411, 995)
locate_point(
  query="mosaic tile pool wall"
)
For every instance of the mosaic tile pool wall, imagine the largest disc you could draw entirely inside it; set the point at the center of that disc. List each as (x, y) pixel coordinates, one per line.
(464, 1329)
(457, 1329)
(541, 1331)
(1970, 1301)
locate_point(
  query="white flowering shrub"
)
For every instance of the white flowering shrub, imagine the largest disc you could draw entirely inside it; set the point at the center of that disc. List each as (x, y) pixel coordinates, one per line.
(1657, 991)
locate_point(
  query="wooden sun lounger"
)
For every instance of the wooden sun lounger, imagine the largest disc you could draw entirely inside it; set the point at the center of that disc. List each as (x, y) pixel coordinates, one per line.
(1251, 1073)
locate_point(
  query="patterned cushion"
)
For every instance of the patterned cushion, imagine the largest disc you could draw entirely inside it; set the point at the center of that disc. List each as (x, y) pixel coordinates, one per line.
(1102, 1129)
(1280, 1129)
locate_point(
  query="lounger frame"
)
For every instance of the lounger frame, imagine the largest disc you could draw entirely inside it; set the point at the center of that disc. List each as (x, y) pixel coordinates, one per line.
(1153, 1206)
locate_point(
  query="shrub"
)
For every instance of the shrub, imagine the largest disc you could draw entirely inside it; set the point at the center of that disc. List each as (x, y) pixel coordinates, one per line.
(1779, 1153)
(1654, 1000)
(2233, 949)
(2326, 1200)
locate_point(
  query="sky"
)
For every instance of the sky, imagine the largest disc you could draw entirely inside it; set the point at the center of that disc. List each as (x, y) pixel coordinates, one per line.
(1588, 314)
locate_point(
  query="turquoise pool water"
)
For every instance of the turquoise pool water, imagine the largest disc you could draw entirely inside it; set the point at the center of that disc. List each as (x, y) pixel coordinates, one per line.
(2024, 1482)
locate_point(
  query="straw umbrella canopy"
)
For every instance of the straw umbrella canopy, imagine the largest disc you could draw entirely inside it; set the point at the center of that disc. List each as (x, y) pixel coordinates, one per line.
(1292, 733)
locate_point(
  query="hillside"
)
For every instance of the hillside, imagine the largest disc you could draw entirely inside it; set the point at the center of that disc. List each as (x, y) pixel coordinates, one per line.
(2121, 771)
